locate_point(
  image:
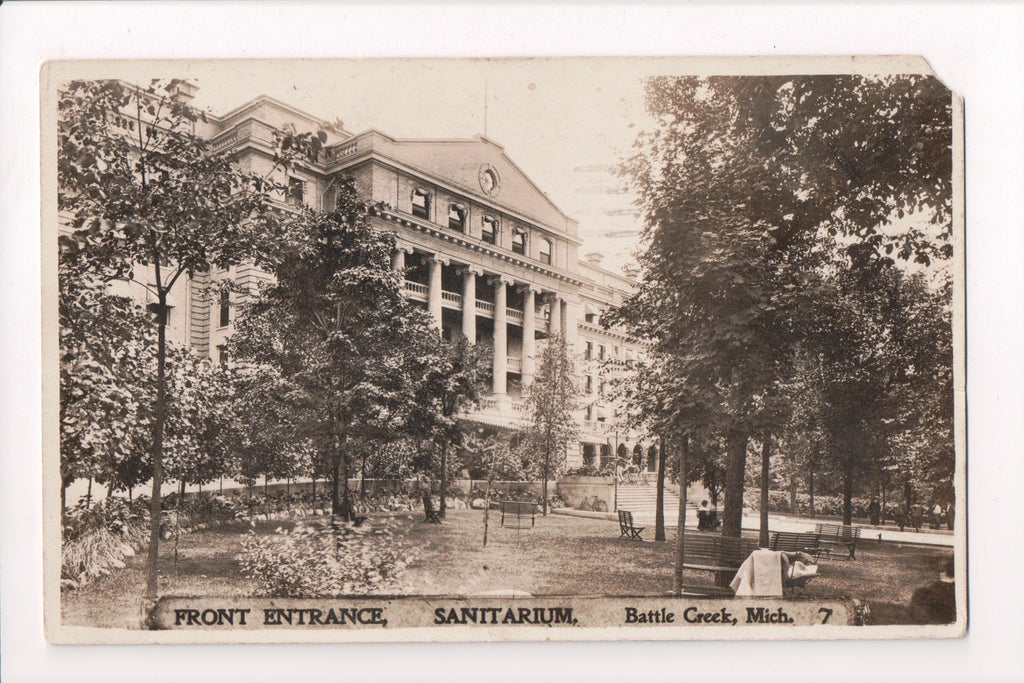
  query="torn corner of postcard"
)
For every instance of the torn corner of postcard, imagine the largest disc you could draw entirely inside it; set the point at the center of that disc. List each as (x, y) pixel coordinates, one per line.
(439, 361)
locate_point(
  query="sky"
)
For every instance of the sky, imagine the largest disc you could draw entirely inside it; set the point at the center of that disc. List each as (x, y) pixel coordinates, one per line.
(567, 124)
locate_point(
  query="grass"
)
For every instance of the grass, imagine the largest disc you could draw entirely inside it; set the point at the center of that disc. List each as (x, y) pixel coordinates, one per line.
(561, 556)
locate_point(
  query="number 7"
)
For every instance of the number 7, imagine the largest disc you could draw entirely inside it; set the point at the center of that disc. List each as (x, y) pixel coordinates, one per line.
(827, 612)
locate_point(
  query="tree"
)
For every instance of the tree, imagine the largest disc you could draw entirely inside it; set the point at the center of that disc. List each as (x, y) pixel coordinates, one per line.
(551, 403)
(336, 327)
(747, 185)
(106, 351)
(492, 453)
(448, 380)
(144, 193)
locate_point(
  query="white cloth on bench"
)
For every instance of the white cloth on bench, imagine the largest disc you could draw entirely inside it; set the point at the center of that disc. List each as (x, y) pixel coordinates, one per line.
(759, 575)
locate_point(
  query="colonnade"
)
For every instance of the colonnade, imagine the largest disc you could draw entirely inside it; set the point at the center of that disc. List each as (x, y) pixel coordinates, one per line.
(562, 319)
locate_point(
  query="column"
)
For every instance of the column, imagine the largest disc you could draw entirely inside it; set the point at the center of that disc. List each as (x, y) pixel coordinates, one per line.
(500, 337)
(434, 289)
(529, 323)
(555, 323)
(571, 319)
(398, 259)
(469, 302)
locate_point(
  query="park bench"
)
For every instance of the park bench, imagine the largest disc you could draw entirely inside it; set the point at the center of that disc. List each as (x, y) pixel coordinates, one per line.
(429, 511)
(716, 553)
(627, 529)
(796, 541)
(839, 535)
(514, 514)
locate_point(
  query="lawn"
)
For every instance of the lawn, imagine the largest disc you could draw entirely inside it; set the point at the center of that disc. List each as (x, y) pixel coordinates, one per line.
(561, 556)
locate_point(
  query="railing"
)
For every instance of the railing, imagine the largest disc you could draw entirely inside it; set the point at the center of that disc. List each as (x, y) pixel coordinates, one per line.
(485, 306)
(514, 314)
(488, 404)
(515, 364)
(520, 406)
(343, 151)
(451, 297)
(415, 287)
(225, 141)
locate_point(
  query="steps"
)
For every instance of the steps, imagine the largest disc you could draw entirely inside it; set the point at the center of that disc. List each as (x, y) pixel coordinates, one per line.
(642, 500)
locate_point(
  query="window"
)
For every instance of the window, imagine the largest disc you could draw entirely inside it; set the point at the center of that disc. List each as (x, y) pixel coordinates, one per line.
(519, 241)
(296, 190)
(600, 352)
(457, 218)
(420, 203)
(222, 353)
(489, 232)
(590, 384)
(545, 251)
(225, 308)
(590, 350)
(590, 413)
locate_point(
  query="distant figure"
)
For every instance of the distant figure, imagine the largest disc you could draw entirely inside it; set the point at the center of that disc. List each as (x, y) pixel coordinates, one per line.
(935, 603)
(949, 515)
(904, 515)
(874, 511)
(936, 514)
(916, 516)
(707, 518)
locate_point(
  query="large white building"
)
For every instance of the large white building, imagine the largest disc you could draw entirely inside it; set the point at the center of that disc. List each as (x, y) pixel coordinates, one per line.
(482, 248)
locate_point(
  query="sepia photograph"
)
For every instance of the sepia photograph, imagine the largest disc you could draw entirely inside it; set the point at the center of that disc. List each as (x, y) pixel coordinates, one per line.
(503, 349)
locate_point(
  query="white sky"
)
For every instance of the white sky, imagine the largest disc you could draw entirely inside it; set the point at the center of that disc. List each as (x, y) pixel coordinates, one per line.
(566, 124)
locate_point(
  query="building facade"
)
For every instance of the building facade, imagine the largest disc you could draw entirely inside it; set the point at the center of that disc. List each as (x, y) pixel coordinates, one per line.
(482, 248)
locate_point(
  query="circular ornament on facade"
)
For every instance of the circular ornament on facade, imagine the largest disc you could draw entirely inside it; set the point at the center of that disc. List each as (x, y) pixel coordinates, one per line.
(489, 180)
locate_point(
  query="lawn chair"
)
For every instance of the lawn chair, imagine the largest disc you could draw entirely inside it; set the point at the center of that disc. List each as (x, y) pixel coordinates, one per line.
(626, 528)
(429, 511)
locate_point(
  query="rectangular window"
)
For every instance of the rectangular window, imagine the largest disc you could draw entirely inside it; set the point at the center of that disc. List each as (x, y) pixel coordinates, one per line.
(600, 352)
(590, 350)
(296, 191)
(457, 218)
(222, 355)
(225, 308)
(421, 203)
(545, 251)
(489, 230)
(590, 384)
(519, 241)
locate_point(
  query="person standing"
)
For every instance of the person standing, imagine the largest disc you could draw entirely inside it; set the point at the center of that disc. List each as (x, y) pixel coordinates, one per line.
(874, 511)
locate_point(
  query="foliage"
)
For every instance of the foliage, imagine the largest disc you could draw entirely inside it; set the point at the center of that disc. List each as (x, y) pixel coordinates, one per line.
(551, 402)
(148, 201)
(334, 330)
(310, 560)
(98, 539)
(751, 189)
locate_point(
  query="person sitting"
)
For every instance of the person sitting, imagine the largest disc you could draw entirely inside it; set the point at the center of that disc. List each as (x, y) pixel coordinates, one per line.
(935, 603)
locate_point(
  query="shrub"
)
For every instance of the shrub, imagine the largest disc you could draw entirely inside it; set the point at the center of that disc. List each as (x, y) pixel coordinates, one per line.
(314, 560)
(97, 540)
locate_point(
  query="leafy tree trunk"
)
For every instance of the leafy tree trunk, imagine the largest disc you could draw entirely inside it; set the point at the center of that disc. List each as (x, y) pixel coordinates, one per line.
(487, 508)
(766, 450)
(64, 502)
(677, 578)
(810, 489)
(659, 513)
(88, 495)
(848, 476)
(736, 454)
(441, 506)
(157, 447)
(340, 508)
(544, 483)
(793, 482)
(110, 488)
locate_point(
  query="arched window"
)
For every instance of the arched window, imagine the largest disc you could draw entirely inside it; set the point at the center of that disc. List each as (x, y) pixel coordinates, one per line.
(489, 230)
(457, 217)
(421, 203)
(652, 459)
(545, 251)
(622, 452)
(638, 456)
(519, 241)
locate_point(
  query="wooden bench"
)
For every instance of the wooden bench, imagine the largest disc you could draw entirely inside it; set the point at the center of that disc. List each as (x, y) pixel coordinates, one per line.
(627, 529)
(839, 535)
(716, 553)
(514, 514)
(429, 511)
(796, 541)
